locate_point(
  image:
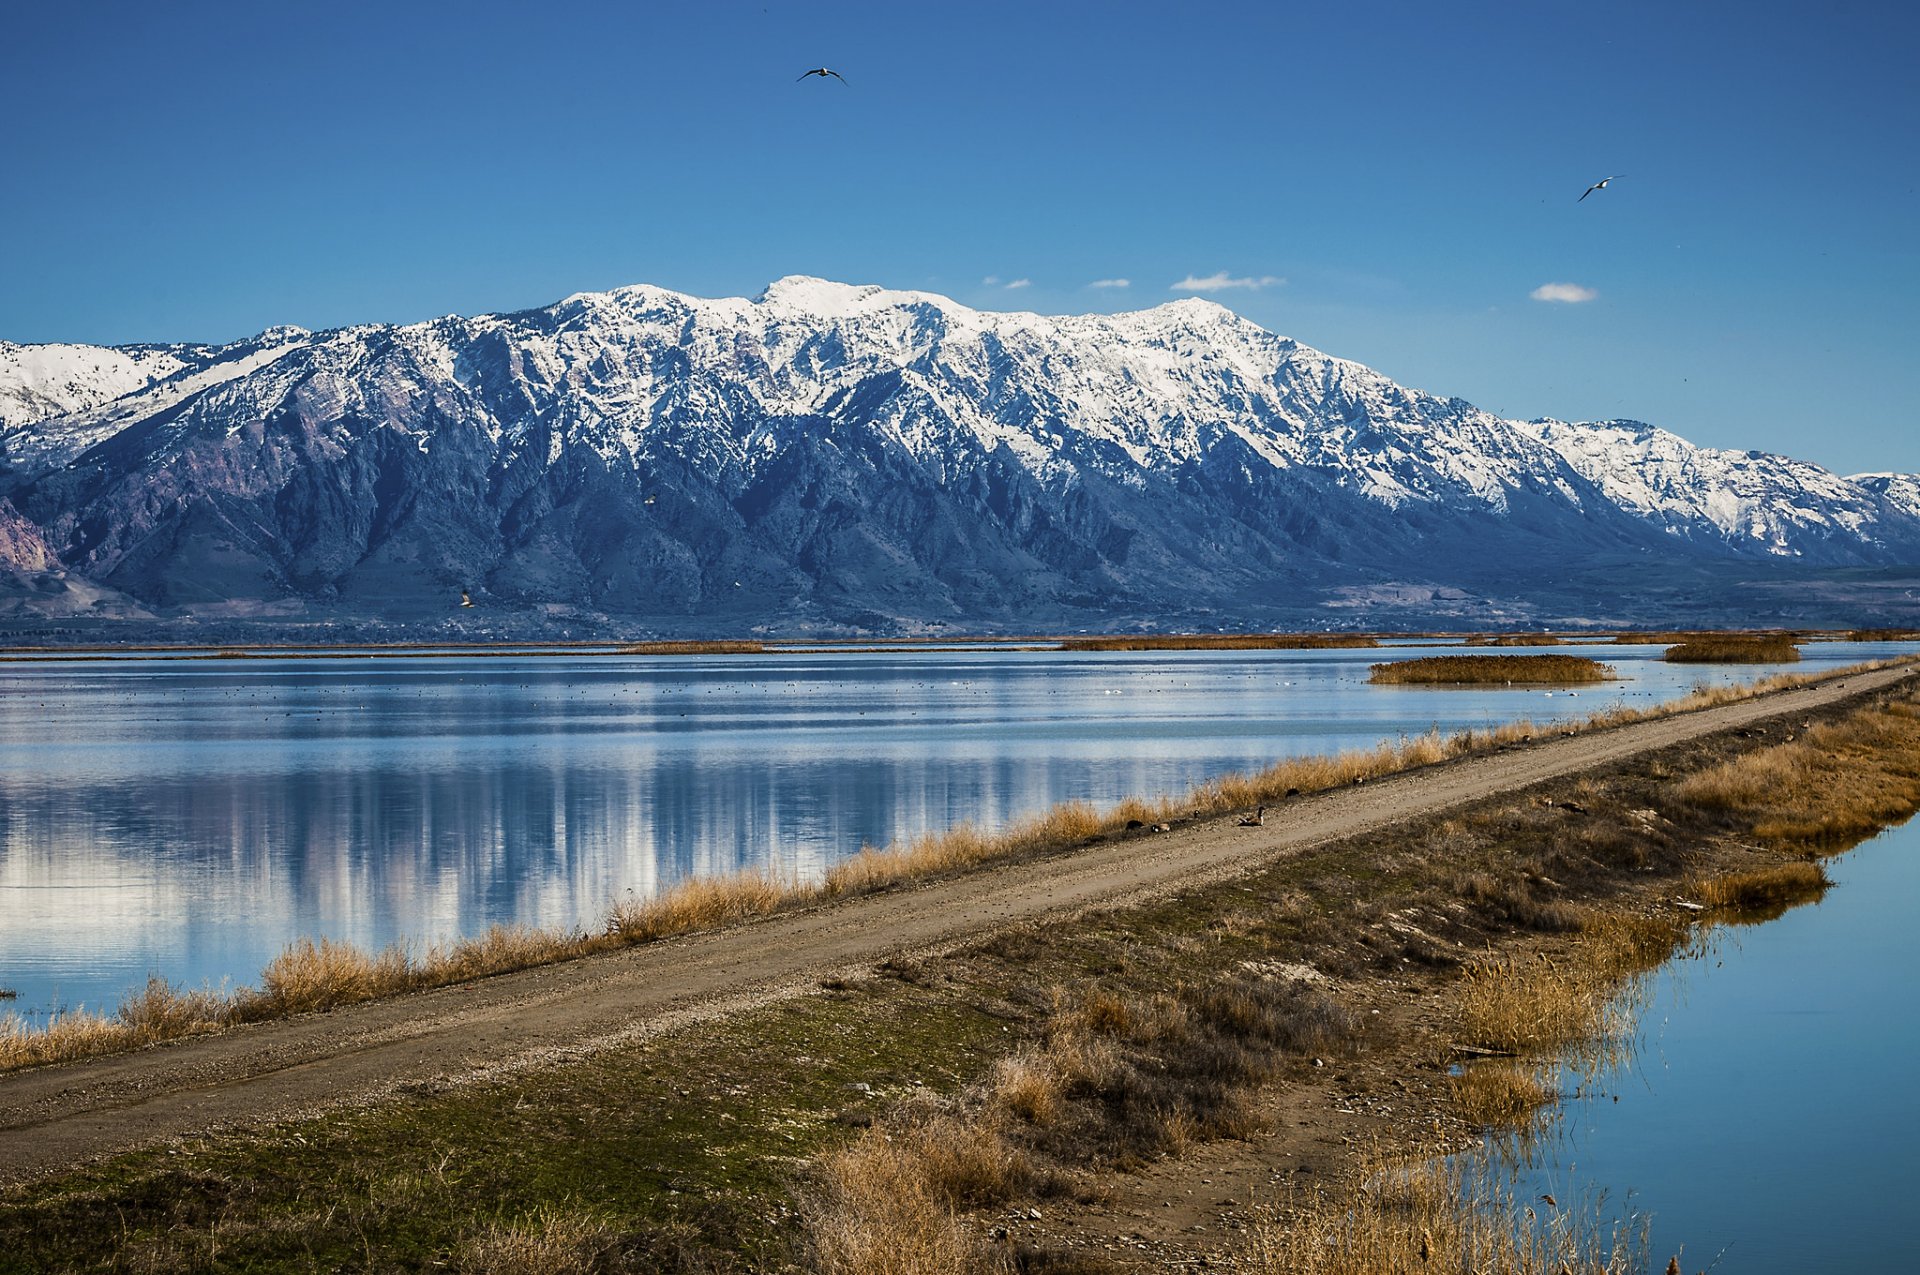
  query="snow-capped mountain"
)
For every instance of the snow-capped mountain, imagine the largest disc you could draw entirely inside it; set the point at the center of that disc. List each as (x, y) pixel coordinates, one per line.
(851, 454)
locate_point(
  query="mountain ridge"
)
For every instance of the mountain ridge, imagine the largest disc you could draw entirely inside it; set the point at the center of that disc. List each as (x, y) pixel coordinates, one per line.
(835, 455)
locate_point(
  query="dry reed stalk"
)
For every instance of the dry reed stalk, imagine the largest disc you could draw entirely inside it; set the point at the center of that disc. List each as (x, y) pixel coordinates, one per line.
(876, 1213)
(1762, 888)
(65, 1038)
(703, 903)
(1412, 1214)
(326, 973)
(1500, 1093)
(552, 1241)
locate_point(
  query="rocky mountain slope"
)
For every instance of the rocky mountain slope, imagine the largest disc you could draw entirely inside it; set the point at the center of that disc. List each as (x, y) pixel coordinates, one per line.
(836, 456)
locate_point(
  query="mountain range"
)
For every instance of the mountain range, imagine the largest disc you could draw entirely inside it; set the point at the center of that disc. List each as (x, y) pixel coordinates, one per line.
(828, 458)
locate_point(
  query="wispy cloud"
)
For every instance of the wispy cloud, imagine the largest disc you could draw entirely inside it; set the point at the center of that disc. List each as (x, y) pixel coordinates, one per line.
(1111, 283)
(1220, 281)
(991, 281)
(1019, 283)
(1565, 293)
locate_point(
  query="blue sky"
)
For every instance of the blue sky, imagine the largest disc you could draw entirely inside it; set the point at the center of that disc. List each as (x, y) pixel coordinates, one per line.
(1388, 182)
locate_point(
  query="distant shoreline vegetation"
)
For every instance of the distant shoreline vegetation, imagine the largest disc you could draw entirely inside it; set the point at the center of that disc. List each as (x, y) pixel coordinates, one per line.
(1221, 642)
(693, 648)
(1449, 670)
(1735, 648)
(1514, 639)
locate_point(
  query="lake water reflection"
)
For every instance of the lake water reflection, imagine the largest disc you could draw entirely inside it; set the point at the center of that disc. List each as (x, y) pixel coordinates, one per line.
(1768, 1117)
(190, 817)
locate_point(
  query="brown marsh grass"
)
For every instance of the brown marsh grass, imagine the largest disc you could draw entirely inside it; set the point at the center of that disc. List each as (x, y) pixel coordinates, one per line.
(718, 647)
(1221, 642)
(1493, 669)
(302, 977)
(1762, 889)
(1735, 648)
(1500, 1093)
(1116, 1079)
(1515, 639)
(1662, 637)
(1540, 1006)
(1826, 788)
(1412, 1213)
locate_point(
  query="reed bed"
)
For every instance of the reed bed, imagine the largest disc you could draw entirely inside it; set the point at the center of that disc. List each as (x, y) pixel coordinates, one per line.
(325, 974)
(1515, 639)
(723, 647)
(1413, 1213)
(1222, 642)
(1539, 1007)
(1495, 670)
(1501, 1093)
(1667, 637)
(1742, 648)
(1762, 889)
(1883, 635)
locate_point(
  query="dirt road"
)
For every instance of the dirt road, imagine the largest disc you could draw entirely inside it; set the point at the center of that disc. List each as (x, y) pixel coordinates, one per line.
(54, 1117)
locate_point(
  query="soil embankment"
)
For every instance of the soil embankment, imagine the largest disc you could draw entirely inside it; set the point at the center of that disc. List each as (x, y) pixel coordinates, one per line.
(55, 1117)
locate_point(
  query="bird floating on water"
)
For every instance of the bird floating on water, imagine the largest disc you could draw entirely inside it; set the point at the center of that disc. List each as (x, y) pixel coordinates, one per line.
(1599, 185)
(823, 72)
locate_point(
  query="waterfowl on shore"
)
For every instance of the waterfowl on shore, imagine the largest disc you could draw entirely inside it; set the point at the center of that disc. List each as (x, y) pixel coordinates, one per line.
(1254, 820)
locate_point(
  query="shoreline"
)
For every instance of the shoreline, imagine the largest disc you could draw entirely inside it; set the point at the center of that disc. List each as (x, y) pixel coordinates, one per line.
(738, 1113)
(311, 975)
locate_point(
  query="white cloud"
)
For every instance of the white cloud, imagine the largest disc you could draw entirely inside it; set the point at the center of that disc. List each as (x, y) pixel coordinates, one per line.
(1568, 293)
(1111, 283)
(1219, 281)
(1019, 283)
(990, 281)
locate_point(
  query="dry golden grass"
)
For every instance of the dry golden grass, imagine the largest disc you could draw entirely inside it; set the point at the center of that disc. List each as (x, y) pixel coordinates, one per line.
(1538, 1006)
(1222, 642)
(1441, 670)
(550, 1242)
(320, 975)
(1414, 1214)
(703, 903)
(1884, 635)
(1762, 889)
(1500, 1093)
(1735, 648)
(1825, 789)
(875, 1212)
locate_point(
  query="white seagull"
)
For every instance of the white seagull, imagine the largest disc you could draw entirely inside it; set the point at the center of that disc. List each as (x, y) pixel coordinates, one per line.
(822, 72)
(1599, 185)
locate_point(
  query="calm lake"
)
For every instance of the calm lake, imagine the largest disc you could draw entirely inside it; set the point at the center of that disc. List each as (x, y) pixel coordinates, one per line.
(1768, 1117)
(191, 817)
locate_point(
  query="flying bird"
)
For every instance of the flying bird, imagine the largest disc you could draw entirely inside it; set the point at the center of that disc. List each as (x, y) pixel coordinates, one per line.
(823, 72)
(1599, 185)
